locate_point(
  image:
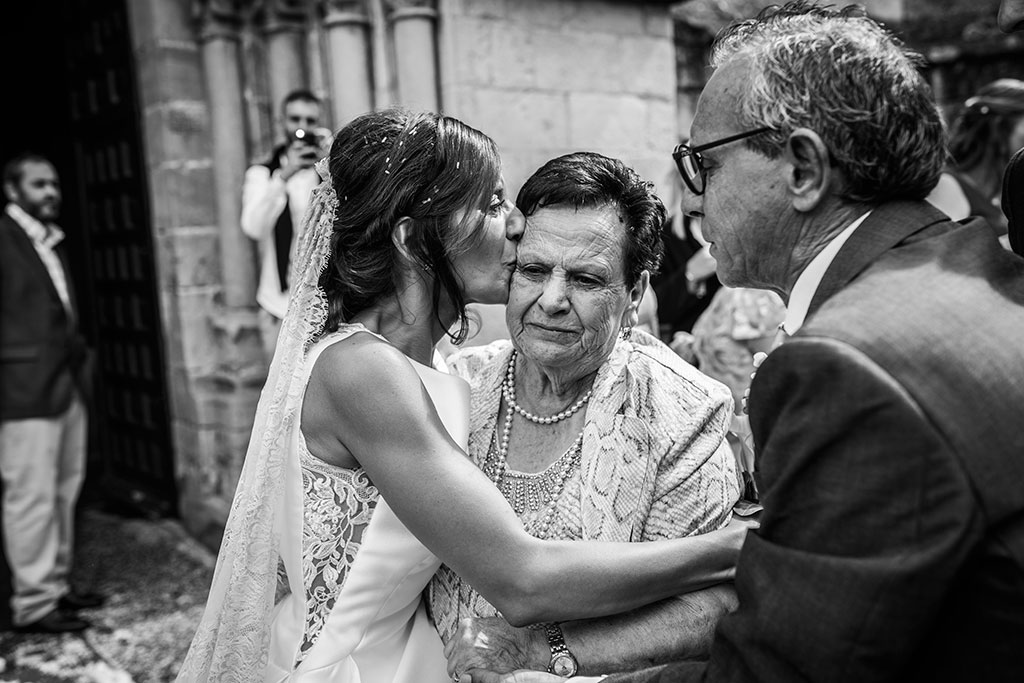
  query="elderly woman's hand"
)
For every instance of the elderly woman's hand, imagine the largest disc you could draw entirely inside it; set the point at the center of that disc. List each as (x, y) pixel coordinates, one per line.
(491, 643)
(522, 676)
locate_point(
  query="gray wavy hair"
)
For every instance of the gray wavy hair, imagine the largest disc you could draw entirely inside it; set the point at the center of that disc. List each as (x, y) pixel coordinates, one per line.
(840, 74)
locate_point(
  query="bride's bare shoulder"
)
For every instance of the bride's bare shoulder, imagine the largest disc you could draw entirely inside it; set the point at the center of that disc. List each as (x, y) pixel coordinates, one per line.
(356, 385)
(361, 362)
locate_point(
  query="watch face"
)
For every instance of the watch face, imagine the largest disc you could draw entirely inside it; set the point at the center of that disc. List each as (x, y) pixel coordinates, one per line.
(563, 665)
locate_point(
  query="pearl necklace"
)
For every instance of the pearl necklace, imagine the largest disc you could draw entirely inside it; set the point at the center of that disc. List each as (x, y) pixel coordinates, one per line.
(530, 491)
(508, 390)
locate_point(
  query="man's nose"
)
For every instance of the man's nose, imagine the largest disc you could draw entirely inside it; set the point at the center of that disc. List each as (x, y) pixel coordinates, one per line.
(692, 204)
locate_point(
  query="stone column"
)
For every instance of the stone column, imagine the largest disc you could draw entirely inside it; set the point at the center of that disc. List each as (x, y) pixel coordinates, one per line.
(219, 22)
(414, 25)
(348, 46)
(284, 24)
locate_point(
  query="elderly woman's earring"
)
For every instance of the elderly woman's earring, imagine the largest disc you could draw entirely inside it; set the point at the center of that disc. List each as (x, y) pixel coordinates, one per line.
(626, 331)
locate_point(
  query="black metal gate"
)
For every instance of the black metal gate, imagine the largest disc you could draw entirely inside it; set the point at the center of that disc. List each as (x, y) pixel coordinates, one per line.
(132, 418)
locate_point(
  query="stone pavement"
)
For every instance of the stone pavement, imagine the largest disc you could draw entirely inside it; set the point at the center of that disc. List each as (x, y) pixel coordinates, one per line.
(155, 578)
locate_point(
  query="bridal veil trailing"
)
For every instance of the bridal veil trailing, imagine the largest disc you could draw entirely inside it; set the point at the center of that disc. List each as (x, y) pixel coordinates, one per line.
(231, 643)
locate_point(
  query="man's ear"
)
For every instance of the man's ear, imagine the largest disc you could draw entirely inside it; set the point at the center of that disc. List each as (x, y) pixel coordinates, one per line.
(636, 296)
(10, 192)
(812, 174)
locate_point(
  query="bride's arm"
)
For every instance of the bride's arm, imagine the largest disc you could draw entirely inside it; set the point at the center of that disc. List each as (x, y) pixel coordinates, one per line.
(383, 416)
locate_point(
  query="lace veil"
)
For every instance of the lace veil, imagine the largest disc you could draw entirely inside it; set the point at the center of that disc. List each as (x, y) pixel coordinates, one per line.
(231, 643)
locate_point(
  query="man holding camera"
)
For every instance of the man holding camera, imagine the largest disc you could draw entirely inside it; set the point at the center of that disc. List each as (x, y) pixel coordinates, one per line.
(274, 200)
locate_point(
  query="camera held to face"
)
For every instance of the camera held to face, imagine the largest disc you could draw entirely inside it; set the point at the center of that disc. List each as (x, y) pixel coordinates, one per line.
(309, 136)
(317, 142)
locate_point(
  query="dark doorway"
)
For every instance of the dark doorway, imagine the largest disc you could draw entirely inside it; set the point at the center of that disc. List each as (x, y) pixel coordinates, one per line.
(71, 96)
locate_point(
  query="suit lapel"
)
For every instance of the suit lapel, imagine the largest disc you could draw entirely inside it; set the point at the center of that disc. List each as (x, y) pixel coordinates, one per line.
(28, 252)
(887, 226)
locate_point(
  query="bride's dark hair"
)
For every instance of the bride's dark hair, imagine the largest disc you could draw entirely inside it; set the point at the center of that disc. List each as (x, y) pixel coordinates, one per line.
(387, 165)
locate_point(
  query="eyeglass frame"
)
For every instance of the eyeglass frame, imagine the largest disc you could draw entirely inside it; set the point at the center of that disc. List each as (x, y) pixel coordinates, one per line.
(684, 150)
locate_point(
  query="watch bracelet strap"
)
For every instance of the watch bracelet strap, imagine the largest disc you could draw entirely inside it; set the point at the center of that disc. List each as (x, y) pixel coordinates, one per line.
(556, 640)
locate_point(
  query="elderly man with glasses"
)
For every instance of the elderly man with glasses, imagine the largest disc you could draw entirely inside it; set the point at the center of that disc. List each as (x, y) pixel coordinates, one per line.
(890, 451)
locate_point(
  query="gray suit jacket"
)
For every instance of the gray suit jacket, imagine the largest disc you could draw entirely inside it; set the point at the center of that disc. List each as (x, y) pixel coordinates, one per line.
(891, 439)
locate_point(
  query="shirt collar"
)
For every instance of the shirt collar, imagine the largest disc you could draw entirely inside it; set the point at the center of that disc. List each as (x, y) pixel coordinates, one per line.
(807, 283)
(47, 236)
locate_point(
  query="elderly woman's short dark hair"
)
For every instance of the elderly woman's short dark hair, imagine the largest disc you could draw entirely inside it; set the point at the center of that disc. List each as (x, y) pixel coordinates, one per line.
(840, 74)
(589, 180)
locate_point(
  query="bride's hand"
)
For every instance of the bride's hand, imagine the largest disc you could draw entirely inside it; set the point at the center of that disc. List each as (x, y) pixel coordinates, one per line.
(736, 531)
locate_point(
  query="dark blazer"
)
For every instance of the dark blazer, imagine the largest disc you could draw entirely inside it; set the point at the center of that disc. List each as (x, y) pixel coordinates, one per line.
(891, 437)
(42, 355)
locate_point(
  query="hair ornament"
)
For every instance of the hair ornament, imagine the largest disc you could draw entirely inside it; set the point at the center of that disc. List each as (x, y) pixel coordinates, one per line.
(995, 105)
(978, 105)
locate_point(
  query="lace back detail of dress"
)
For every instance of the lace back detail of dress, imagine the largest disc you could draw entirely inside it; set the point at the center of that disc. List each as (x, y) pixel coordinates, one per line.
(338, 504)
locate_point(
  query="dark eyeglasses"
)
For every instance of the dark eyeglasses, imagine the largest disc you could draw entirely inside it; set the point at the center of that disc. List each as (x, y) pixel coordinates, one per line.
(691, 164)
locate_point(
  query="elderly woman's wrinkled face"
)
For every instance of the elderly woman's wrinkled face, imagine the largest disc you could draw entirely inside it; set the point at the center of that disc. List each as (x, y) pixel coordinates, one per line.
(569, 297)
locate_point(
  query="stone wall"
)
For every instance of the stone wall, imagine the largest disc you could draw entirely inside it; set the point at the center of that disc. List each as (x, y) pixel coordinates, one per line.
(545, 77)
(959, 39)
(215, 365)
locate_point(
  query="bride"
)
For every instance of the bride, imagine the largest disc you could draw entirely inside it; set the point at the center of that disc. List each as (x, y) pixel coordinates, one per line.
(355, 481)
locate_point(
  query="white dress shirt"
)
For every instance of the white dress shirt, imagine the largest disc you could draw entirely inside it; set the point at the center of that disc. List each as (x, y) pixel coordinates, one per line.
(264, 195)
(44, 239)
(807, 283)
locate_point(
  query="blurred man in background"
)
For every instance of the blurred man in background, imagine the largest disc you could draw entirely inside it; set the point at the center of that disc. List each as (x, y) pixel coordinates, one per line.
(44, 379)
(274, 200)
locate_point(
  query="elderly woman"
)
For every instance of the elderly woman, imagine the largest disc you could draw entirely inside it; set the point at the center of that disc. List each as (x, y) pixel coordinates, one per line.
(590, 429)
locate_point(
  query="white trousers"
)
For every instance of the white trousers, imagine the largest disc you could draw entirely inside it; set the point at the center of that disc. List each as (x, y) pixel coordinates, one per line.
(42, 464)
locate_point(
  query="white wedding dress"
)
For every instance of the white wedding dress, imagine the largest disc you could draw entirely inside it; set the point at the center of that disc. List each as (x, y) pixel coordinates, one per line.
(355, 573)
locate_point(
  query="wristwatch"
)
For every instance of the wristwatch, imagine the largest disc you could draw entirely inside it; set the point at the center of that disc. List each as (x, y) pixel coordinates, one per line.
(563, 663)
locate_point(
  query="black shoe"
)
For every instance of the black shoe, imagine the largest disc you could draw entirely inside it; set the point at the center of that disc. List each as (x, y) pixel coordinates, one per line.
(57, 621)
(74, 601)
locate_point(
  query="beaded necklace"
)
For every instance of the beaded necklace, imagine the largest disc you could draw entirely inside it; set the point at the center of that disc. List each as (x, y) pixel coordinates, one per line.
(524, 490)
